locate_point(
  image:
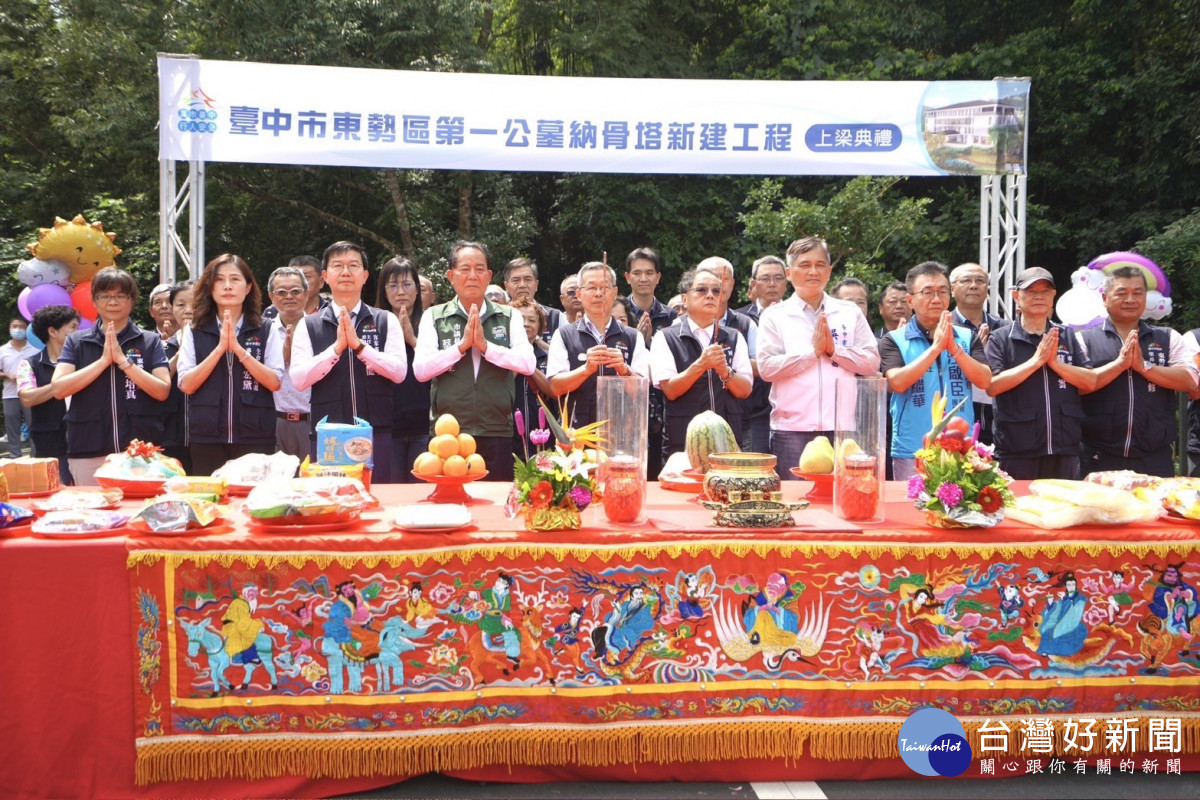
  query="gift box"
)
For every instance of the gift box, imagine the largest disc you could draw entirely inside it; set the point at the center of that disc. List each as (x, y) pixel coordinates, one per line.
(345, 443)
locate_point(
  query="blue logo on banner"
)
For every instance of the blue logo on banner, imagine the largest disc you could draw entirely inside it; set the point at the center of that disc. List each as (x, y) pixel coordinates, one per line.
(199, 115)
(932, 742)
(875, 138)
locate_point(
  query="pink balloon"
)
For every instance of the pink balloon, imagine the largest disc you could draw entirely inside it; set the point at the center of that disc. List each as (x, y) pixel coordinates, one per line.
(23, 303)
(47, 295)
(85, 323)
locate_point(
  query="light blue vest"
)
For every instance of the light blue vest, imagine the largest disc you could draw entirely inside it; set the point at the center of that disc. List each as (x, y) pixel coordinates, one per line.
(910, 409)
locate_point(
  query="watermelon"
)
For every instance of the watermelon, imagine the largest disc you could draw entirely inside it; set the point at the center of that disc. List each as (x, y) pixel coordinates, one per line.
(708, 433)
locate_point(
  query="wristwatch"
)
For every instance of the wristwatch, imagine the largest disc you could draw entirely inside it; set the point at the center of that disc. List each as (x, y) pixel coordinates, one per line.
(358, 350)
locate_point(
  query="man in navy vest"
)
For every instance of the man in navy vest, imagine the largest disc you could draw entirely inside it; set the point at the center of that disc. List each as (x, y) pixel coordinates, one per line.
(521, 281)
(969, 285)
(350, 354)
(470, 348)
(768, 284)
(594, 345)
(642, 273)
(700, 364)
(927, 354)
(1129, 420)
(1039, 372)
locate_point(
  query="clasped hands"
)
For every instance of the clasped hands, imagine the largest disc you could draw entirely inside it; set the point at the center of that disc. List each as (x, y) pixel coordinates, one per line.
(603, 356)
(822, 339)
(346, 335)
(473, 333)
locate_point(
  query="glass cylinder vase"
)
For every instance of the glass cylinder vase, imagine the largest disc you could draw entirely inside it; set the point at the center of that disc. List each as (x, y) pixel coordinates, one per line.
(859, 449)
(625, 404)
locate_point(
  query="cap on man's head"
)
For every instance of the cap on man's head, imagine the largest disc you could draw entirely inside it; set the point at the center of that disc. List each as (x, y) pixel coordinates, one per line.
(1028, 277)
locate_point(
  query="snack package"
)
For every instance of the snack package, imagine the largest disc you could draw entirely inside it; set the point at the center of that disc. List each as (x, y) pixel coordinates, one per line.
(141, 461)
(255, 468)
(80, 521)
(360, 472)
(1063, 504)
(341, 443)
(306, 497)
(175, 513)
(12, 515)
(184, 484)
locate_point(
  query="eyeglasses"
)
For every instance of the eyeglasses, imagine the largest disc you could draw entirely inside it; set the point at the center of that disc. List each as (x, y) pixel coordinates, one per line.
(407, 286)
(288, 292)
(596, 289)
(770, 279)
(343, 268)
(926, 294)
(715, 291)
(571, 292)
(112, 298)
(973, 281)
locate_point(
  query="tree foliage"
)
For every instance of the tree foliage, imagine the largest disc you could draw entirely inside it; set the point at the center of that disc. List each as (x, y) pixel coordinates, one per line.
(1114, 145)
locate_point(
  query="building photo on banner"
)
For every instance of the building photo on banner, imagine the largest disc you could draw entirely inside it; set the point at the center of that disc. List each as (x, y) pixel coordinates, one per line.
(321, 536)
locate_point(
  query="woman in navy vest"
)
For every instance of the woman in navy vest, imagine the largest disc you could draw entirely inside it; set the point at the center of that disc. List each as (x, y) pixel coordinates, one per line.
(400, 291)
(116, 376)
(175, 433)
(52, 325)
(229, 365)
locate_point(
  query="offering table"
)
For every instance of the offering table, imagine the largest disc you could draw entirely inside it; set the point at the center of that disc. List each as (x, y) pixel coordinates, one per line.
(264, 664)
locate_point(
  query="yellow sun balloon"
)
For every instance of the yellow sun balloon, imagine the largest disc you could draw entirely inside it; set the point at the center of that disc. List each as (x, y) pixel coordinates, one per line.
(85, 248)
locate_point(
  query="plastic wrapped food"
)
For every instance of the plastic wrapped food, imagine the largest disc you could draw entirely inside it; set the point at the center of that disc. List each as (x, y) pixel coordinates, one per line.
(80, 521)
(308, 497)
(184, 484)
(13, 515)
(141, 461)
(1064, 504)
(1125, 479)
(360, 472)
(175, 513)
(79, 500)
(255, 468)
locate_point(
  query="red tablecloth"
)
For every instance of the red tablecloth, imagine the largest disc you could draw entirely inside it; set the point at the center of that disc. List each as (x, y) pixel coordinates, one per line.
(66, 684)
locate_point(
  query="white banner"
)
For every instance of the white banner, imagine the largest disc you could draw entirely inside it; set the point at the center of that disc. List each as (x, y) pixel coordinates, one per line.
(284, 114)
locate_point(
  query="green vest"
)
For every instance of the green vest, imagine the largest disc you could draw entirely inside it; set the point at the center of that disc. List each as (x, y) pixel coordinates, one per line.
(483, 406)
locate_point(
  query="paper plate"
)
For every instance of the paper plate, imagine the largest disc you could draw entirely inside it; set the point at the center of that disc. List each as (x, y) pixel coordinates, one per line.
(107, 533)
(20, 529)
(396, 526)
(681, 483)
(133, 488)
(352, 524)
(25, 495)
(215, 529)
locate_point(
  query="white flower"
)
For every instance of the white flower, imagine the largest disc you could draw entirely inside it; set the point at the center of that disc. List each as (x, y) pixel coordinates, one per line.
(574, 464)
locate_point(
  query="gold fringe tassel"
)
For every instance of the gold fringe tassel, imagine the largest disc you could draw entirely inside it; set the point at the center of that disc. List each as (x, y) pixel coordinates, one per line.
(628, 552)
(255, 757)
(357, 756)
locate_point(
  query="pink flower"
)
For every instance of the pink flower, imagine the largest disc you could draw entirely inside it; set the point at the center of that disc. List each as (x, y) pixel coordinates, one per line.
(581, 496)
(539, 436)
(441, 594)
(951, 494)
(519, 419)
(916, 485)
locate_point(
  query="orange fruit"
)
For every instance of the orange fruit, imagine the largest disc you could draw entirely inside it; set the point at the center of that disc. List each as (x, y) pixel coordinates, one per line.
(475, 465)
(455, 467)
(446, 425)
(428, 464)
(444, 446)
(466, 444)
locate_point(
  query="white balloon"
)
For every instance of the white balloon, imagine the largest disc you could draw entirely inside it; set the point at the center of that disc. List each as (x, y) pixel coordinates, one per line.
(1080, 306)
(1157, 306)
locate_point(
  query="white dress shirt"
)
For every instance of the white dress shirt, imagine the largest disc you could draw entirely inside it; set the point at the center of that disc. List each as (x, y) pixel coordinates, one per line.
(429, 361)
(802, 382)
(272, 351)
(662, 362)
(307, 368)
(557, 360)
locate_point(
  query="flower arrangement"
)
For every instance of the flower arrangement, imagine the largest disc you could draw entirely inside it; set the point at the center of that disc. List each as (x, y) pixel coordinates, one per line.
(554, 486)
(959, 484)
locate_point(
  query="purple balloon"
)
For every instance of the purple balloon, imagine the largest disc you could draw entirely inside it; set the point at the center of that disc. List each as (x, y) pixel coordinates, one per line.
(47, 295)
(85, 323)
(23, 303)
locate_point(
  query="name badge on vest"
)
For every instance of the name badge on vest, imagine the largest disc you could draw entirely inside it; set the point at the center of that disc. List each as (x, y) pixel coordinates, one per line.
(370, 335)
(133, 356)
(254, 348)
